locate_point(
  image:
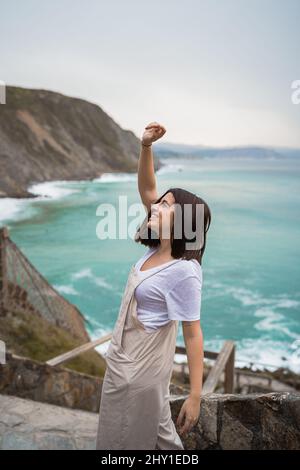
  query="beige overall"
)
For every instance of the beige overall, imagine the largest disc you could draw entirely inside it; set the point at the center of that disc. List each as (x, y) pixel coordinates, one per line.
(134, 407)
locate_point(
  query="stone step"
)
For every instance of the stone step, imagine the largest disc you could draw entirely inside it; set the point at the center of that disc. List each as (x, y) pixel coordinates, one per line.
(27, 424)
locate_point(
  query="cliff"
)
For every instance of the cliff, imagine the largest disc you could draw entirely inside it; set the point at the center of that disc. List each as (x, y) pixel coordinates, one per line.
(47, 136)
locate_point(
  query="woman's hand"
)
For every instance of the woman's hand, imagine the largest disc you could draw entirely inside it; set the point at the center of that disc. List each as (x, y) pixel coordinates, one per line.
(190, 410)
(153, 132)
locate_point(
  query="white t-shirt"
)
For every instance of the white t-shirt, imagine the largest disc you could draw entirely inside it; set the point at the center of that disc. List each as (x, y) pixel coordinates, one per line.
(170, 294)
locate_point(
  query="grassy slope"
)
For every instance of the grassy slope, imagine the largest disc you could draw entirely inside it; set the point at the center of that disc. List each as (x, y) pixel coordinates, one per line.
(34, 337)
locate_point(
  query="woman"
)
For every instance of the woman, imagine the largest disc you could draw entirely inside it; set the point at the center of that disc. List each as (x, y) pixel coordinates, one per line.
(163, 287)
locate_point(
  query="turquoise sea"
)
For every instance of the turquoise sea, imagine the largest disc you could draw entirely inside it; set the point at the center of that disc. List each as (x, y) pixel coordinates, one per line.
(251, 269)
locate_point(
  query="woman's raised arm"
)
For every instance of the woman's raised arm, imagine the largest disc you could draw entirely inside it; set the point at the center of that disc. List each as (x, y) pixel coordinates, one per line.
(146, 174)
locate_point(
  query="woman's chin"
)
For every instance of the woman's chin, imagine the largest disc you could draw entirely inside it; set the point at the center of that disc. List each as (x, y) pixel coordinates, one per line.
(153, 228)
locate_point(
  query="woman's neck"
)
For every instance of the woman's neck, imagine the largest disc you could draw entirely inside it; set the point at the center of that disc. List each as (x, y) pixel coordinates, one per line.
(165, 247)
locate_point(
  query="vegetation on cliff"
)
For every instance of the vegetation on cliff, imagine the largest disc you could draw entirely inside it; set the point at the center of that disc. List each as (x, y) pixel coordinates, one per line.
(34, 337)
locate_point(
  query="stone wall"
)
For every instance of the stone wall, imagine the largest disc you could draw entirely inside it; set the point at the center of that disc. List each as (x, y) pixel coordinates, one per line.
(37, 381)
(240, 422)
(26, 378)
(226, 422)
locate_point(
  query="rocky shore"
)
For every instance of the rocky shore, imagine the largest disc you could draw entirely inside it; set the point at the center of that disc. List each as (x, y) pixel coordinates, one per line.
(47, 136)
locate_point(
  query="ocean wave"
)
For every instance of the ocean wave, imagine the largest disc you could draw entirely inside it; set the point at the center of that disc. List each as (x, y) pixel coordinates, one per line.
(66, 289)
(87, 273)
(24, 208)
(15, 209)
(259, 354)
(54, 189)
(266, 308)
(248, 297)
(124, 177)
(262, 353)
(101, 282)
(170, 168)
(270, 322)
(269, 309)
(99, 332)
(115, 177)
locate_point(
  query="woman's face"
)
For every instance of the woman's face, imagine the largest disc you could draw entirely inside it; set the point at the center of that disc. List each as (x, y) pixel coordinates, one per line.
(162, 216)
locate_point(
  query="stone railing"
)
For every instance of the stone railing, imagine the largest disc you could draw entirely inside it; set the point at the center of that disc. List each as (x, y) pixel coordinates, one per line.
(227, 421)
(240, 422)
(37, 381)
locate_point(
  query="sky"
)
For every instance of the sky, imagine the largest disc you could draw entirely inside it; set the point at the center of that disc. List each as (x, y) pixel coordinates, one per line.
(212, 72)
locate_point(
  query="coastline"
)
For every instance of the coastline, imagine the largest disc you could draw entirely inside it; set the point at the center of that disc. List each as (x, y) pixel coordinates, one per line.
(26, 194)
(108, 179)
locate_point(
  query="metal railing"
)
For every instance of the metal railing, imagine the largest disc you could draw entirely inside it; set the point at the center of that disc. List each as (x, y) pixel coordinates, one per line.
(23, 289)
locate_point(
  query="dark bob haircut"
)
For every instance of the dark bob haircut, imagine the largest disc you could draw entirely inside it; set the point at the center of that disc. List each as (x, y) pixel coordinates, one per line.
(178, 245)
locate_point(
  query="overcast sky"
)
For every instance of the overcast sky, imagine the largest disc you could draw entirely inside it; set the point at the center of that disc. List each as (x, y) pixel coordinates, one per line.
(213, 72)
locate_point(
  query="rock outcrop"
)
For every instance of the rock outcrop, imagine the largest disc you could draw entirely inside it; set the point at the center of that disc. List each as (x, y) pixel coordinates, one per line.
(49, 136)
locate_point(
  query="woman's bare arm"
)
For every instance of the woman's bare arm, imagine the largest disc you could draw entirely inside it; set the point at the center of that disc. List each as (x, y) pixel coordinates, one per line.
(190, 410)
(193, 337)
(146, 175)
